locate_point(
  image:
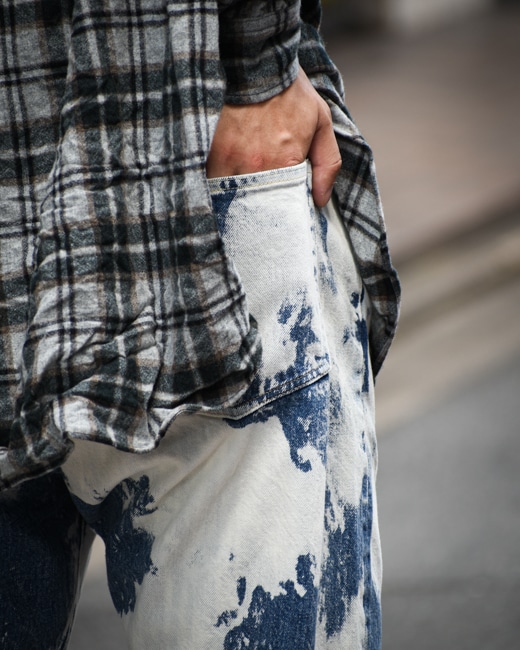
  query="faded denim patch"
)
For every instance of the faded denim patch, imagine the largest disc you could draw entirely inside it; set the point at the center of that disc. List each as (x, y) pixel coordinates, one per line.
(267, 222)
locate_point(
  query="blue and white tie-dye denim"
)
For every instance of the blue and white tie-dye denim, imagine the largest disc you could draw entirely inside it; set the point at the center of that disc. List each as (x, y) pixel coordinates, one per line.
(257, 527)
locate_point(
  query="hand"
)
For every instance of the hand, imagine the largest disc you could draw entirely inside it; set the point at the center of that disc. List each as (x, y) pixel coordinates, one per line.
(280, 132)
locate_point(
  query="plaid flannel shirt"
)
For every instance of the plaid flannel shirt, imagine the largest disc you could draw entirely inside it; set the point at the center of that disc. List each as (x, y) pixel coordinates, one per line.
(118, 305)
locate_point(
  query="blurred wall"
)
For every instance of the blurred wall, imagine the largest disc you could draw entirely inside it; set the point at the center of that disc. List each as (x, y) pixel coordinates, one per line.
(413, 15)
(397, 15)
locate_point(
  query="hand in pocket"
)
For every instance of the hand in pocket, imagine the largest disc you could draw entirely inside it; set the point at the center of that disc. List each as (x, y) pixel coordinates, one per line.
(280, 132)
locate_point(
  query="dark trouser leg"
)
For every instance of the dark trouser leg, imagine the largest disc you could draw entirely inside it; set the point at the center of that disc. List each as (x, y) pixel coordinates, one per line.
(44, 546)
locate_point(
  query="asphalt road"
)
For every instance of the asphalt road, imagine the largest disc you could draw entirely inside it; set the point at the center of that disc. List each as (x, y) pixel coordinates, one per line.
(449, 499)
(449, 449)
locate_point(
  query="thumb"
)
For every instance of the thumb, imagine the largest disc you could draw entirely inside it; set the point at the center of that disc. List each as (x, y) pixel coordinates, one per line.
(324, 156)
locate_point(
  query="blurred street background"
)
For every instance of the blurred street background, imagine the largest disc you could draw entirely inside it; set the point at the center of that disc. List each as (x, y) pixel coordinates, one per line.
(434, 86)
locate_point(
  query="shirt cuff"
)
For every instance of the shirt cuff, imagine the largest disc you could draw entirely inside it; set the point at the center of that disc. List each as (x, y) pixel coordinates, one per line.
(259, 49)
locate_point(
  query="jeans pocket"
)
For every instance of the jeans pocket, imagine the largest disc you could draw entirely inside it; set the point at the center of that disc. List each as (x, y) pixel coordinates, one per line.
(267, 223)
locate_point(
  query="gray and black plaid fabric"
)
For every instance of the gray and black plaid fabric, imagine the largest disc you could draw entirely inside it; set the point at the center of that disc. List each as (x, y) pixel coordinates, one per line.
(118, 304)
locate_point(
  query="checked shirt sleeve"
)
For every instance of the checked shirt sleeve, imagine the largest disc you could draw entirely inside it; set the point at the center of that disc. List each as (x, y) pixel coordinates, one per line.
(134, 312)
(258, 47)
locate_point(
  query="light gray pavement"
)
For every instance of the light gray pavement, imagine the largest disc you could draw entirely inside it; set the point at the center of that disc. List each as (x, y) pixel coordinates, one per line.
(449, 503)
(441, 113)
(449, 449)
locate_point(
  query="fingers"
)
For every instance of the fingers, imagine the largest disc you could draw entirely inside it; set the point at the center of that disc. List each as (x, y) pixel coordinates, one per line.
(323, 150)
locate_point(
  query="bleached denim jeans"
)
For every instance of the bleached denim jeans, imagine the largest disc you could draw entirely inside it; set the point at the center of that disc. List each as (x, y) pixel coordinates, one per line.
(255, 527)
